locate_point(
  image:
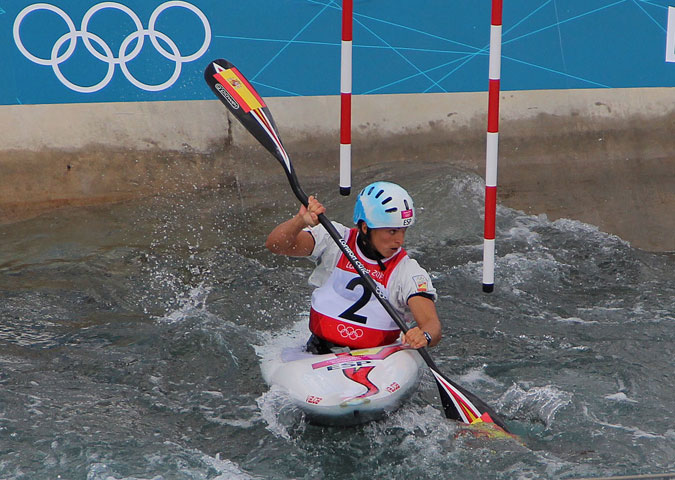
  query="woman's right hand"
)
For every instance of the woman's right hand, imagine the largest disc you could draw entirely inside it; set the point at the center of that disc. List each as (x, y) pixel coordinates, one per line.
(310, 214)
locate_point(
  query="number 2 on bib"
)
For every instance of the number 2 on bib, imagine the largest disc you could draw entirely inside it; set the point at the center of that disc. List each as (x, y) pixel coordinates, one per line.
(350, 313)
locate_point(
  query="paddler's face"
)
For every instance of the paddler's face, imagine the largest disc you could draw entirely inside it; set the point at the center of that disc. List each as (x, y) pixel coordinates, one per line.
(387, 240)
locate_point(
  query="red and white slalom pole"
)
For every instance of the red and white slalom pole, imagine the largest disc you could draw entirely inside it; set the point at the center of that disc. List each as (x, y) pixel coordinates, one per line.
(346, 99)
(492, 149)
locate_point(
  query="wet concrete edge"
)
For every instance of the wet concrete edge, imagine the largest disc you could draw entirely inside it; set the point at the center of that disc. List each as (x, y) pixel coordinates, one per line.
(602, 157)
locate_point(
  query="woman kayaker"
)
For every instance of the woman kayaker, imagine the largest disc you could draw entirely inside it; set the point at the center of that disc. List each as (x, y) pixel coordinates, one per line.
(343, 311)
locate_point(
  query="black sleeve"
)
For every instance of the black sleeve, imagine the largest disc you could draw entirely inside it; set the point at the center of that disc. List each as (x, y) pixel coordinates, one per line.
(422, 294)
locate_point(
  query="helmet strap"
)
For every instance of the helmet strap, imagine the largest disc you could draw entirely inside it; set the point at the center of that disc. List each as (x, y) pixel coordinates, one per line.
(366, 246)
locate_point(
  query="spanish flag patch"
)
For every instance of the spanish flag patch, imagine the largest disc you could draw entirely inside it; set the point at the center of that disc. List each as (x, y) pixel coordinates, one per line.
(421, 282)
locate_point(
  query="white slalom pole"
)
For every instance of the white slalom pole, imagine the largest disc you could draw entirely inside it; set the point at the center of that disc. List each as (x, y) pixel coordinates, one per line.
(670, 36)
(346, 99)
(492, 148)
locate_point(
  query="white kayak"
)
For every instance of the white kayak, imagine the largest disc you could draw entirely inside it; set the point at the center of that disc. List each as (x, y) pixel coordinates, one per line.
(347, 388)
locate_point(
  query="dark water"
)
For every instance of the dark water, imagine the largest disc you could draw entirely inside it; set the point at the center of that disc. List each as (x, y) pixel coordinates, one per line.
(131, 340)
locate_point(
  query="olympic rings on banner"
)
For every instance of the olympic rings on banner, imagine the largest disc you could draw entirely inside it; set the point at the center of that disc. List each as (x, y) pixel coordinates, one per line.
(108, 56)
(349, 332)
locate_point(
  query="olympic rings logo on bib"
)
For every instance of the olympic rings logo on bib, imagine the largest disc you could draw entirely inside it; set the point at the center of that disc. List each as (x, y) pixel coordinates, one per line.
(108, 56)
(349, 332)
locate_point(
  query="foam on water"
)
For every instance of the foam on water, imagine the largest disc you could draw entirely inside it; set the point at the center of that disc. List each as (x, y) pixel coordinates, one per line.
(195, 465)
(476, 375)
(535, 404)
(193, 302)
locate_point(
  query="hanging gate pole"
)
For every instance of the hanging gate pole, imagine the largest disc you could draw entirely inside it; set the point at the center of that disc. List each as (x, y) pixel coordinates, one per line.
(346, 98)
(492, 149)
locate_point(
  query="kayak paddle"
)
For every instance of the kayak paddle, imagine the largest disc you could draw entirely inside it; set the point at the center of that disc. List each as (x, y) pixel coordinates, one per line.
(242, 100)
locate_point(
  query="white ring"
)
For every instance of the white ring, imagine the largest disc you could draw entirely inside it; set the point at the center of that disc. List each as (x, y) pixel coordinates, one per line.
(193, 9)
(68, 83)
(17, 35)
(118, 6)
(138, 83)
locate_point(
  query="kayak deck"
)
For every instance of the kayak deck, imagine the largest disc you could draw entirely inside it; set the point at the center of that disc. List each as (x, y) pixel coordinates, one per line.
(351, 387)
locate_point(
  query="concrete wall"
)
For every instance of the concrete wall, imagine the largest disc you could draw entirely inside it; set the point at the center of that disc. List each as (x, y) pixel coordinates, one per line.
(604, 156)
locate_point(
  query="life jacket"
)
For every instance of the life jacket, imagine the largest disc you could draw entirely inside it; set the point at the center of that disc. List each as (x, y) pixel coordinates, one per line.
(345, 312)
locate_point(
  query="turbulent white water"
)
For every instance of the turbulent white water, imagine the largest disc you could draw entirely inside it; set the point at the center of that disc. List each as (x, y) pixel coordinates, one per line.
(133, 337)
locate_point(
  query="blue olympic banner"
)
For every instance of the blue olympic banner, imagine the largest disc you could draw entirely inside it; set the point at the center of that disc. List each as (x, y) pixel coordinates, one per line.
(74, 51)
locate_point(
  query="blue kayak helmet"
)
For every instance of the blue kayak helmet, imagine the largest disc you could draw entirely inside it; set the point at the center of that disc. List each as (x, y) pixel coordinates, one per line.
(384, 205)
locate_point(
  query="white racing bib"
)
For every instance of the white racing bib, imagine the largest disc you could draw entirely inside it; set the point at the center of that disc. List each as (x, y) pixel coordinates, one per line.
(344, 311)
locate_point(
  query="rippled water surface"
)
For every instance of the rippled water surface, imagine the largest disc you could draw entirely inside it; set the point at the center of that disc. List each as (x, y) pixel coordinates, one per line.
(131, 339)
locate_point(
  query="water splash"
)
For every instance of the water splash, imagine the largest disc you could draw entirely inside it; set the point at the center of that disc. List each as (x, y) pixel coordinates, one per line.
(534, 404)
(190, 304)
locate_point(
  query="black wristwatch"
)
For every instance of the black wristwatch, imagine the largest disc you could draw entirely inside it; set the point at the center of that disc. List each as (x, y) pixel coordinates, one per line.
(428, 337)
